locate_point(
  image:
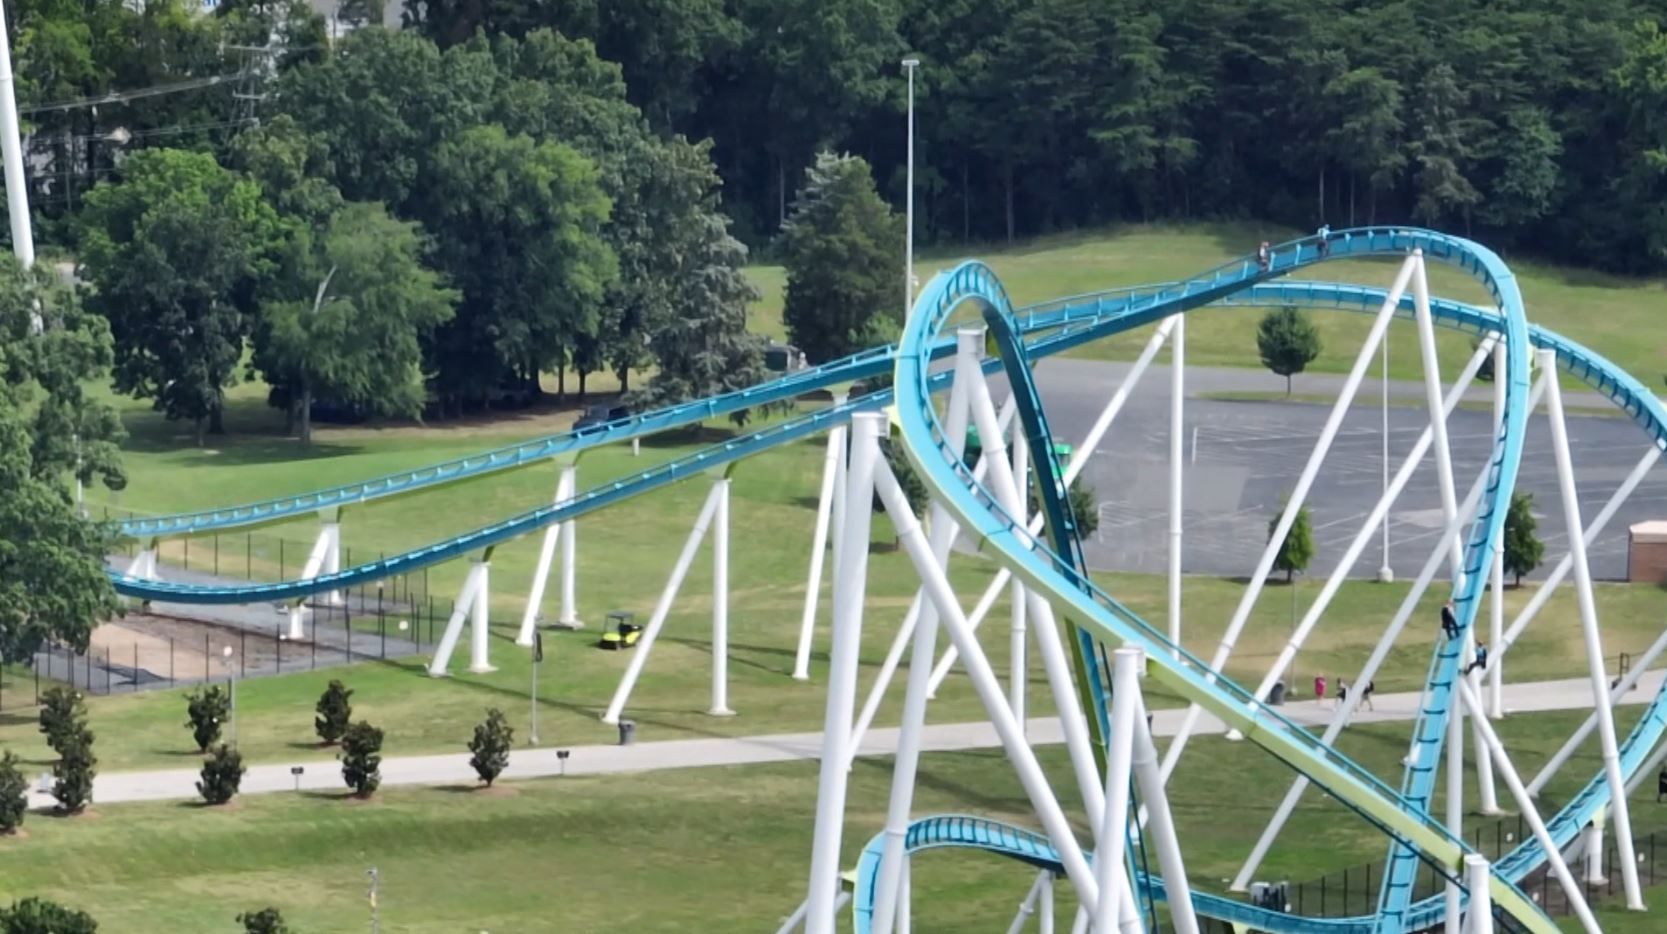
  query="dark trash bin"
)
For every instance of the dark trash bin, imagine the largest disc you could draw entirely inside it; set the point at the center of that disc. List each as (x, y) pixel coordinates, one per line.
(627, 732)
(1276, 694)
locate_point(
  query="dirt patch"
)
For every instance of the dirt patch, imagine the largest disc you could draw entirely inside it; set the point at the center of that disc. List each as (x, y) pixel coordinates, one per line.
(497, 791)
(17, 834)
(164, 647)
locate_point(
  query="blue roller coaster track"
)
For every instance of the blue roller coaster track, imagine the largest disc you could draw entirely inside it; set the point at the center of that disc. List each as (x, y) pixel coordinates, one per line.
(1058, 572)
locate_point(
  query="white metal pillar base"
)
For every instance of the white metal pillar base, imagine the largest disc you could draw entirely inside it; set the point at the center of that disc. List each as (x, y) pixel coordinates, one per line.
(569, 618)
(1591, 841)
(470, 605)
(480, 658)
(827, 520)
(1479, 920)
(720, 601)
(541, 571)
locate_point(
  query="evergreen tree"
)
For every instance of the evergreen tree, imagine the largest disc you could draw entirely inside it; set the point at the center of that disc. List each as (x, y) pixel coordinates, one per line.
(222, 775)
(843, 249)
(39, 916)
(361, 758)
(334, 712)
(63, 714)
(1287, 342)
(74, 773)
(1523, 551)
(1083, 502)
(914, 489)
(1297, 550)
(207, 709)
(489, 750)
(264, 921)
(14, 794)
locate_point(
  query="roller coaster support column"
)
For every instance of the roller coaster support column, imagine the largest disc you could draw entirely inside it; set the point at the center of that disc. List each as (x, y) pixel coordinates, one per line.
(1028, 906)
(569, 618)
(850, 584)
(471, 604)
(1487, 796)
(1046, 906)
(1496, 633)
(984, 682)
(1363, 536)
(1110, 867)
(1591, 842)
(1079, 459)
(17, 192)
(1455, 805)
(1432, 398)
(1561, 571)
(1346, 708)
(1525, 804)
(546, 555)
(1177, 404)
(1161, 825)
(645, 646)
(720, 598)
(1017, 646)
(1479, 920)
(1626, 684)
(325, 558)
(1589, 627)
(969, 348)
(832, 471)
(1293, 505)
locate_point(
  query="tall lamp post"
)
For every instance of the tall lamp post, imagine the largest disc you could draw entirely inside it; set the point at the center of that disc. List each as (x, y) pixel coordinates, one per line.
(909, 66)
(231, 674)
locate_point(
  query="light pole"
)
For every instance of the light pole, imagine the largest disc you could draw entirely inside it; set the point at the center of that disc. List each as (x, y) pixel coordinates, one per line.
(231, 673)
(909, 66)
(538, 656)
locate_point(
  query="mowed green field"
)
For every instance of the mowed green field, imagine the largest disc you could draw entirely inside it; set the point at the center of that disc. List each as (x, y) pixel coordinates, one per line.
(713, 849)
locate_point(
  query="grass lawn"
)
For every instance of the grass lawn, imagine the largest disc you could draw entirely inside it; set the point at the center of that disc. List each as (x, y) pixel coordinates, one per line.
(695, 849)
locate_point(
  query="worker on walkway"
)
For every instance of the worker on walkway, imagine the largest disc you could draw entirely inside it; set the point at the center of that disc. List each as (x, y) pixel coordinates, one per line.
(1481, 659)
(1324, 233)
(1366, 694)
(1263, 257)
(1449, 623)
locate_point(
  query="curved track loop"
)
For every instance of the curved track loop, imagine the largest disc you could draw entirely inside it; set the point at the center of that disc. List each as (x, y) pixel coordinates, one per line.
(1404, 820)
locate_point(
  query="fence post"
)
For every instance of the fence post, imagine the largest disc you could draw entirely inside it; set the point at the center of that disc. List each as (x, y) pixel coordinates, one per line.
(170, 661)
(248, 556)
(315, 641)
(278, 645)
(108, 689)
(347, 627)
(135, 666)
(216, 554)
(280, 559)
(1322, 896)
(205, 658)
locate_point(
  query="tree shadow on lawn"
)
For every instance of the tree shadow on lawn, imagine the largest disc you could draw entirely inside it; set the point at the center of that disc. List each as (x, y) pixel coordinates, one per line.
(705, 646)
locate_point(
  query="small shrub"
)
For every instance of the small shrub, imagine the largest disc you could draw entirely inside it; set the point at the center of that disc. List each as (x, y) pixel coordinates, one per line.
(222, 775)
(39, 916)
(489, 750)
(361, 758)
(208, 709)
(14, 794)
(62, 714)
(74, 773)
(334, 713)
(264, 921)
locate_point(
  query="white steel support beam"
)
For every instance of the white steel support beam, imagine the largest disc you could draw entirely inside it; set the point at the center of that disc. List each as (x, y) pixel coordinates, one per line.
(324, 558)
(662, 609)
(471, 606)
(1432, 399)
(1487, 796)
(1160, 826)
(11, 150)
(1079, 460)
(970, 346)
(1028, 906)
(1311, 617)
(850, 583)
(1045, 909)
(988, 687)
(570, 559)
(546, 557)
(893, 859)
(1293, 505)
(720, 600)
(1591, 843)
(1479, 920)
(819, 543)
(1561, 571)
(1018, 645)
(1589, 628)
(1113, 840)
(1454, 754)
(1177, 405)
(1619, 691)
(1525, 804)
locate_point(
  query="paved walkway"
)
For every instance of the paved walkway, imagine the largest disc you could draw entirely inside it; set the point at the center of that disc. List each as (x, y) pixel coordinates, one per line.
(453, 769)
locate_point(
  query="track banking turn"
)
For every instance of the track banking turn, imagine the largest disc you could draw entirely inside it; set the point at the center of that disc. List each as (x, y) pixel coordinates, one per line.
(1047, 329)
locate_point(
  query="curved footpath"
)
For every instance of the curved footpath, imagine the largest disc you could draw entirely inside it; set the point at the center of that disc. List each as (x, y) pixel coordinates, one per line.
(525, 763)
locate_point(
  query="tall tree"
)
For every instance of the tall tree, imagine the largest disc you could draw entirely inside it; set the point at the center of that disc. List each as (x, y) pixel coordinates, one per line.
(52, 581)
(176, 252)
(1522, 549)
(357, 339)
(520, 237)
(843, 249)
(1297, 550)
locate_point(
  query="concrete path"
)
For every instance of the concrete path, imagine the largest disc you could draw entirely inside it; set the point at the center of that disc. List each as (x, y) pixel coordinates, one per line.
(453, 769)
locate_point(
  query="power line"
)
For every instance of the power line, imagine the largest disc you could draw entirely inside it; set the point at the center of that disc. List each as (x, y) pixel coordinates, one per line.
(118, 97)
